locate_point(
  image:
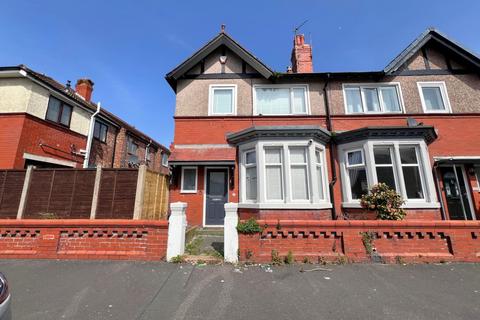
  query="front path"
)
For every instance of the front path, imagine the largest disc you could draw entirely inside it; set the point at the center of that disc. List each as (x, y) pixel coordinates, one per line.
(135, 290)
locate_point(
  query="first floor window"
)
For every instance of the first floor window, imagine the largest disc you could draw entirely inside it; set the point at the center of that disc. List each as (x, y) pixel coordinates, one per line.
(400, 165)
(189, 180)
(372, 98)
(222, 99)
(281, 100)
(100, 131)
(164, 159)
(132, 148)
(275, 173)
(59, 111)
(434, 96)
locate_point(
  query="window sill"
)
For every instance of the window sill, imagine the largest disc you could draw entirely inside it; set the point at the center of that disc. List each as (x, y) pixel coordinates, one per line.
(188, 192)
(325, 205)
(411, 205)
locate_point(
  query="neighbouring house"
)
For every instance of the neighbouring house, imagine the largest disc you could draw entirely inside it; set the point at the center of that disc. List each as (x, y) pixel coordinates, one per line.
(47, 124)
(306, 145)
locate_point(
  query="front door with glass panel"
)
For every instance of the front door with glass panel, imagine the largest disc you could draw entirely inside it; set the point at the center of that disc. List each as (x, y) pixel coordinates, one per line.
(216, 196)
(456, 193)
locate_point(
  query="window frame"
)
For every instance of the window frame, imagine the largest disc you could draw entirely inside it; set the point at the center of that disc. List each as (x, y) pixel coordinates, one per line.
(424, 165)
(100, 131)
(164, 159)
(363, 165)
(443, 92)
(131, 141)
(282, 86)
(377, 86)
(60, 112)
(247, 166)
(211, 92)
(182, 190)
(315, 201)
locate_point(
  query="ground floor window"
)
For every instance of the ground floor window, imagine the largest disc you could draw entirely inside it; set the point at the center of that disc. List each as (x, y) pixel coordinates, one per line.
(278, 173)
(189, 180)
(402, 165)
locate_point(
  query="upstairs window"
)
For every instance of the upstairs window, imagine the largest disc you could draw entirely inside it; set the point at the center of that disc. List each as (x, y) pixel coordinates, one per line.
(164, 159)
(100, 131)
(372, 98)
(280, 100)
(132, 148)
(222, 99)
(434, 97)
(59, 112)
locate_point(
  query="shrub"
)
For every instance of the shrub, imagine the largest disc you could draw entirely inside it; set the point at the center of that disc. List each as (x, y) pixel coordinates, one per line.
(385, 202)
(178, 259)
(289, 258)
(276, 260)
(250, 226)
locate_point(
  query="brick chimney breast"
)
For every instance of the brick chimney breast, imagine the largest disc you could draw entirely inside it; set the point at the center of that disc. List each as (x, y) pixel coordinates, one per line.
(301, 55)
(84, 87)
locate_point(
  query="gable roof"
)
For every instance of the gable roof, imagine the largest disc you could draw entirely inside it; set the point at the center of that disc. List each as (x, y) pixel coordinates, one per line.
(432, 34)
(221, 39)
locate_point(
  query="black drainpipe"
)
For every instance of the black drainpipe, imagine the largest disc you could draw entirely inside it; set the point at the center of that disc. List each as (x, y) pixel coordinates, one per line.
(332, 150)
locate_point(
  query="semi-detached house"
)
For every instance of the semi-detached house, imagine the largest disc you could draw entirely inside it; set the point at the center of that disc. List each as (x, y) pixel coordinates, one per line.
(49, 125)
(307, 145)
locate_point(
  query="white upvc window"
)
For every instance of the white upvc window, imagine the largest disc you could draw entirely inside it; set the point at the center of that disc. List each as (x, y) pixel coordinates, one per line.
(189, 180)
(402, 165)
(434, 97)
(281, 100)
(283, 174)
(222, 99)
(373, 98)
(164, 159)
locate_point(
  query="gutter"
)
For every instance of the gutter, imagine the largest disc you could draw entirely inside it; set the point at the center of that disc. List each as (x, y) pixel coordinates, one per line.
(332, 150)
(90, 136)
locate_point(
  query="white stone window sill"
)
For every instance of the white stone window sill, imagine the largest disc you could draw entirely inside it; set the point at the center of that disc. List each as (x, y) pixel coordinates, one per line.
(325, 205)
(411, 205)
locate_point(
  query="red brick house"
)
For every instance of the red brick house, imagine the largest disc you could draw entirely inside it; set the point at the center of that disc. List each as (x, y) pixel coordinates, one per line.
(47, 124)
(304, 144)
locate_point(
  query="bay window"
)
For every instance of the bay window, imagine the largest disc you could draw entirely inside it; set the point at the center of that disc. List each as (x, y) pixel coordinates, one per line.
(403, 165)
(283, 174)
(281, 100)
(372, 98)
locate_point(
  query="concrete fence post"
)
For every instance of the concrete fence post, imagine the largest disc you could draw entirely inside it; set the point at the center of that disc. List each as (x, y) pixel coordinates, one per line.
(177, 224)
(96, 191)
(230, 242)
(142, 173)
(23, 198)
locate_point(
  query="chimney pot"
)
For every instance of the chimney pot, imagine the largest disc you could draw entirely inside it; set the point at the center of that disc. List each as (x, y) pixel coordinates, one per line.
(84, 87)
(301, 55)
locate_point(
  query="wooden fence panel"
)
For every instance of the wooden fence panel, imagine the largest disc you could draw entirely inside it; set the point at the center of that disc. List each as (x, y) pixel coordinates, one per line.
(60, 194)
(11, 185)
(155, 200)
(116, 199)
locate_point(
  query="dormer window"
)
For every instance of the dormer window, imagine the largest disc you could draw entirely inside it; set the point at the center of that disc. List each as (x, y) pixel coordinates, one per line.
(59, 112)
(222, 99)
(281, 100)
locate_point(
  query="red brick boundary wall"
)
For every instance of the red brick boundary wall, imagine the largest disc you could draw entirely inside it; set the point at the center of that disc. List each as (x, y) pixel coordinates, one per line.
(387, 241)
(83, 239)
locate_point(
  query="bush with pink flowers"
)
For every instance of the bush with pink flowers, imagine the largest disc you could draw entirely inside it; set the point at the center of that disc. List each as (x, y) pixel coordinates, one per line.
(386, 202)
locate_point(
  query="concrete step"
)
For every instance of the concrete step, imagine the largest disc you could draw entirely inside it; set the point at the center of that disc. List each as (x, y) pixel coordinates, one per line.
(209, 231)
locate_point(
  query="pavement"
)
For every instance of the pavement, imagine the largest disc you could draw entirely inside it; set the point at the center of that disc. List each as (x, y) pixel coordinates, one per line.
(141, 290)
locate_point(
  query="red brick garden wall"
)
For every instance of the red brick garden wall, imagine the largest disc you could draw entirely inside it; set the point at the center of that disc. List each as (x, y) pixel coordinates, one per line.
(83, 239)
(387, 241)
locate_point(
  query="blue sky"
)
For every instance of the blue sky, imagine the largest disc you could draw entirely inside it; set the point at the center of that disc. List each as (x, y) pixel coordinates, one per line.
(127, 47)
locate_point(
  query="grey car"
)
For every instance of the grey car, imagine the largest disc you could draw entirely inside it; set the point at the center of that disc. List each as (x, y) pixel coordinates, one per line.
(5, 311)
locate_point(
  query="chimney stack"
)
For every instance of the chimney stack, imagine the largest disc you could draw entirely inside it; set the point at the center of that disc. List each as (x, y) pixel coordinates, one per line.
(301, 55)
(84, 87)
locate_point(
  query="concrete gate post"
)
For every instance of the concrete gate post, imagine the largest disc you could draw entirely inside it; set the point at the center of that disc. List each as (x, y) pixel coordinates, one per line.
(177, 224)
(230, 242)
